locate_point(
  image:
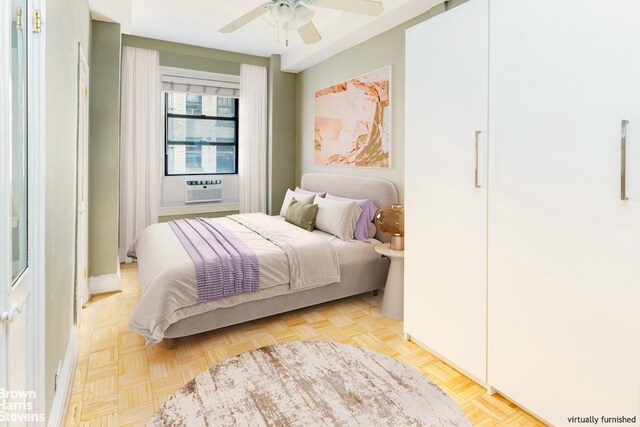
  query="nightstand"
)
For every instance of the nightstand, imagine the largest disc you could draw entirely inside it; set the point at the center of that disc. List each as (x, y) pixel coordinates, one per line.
(393, 299)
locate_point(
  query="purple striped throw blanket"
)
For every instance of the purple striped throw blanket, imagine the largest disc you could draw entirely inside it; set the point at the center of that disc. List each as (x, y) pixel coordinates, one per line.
(224, 264)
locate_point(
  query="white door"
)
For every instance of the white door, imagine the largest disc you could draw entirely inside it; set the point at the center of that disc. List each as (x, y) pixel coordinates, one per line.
(18, 227)
(446, 188)
(564, 270)
(82, 185)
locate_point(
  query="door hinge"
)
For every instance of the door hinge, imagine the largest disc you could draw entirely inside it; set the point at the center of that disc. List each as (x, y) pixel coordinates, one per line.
(18, 18)
(37, 21)
(84, 273)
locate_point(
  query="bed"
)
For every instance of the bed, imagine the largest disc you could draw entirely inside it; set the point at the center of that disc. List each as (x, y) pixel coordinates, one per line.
(169, 309)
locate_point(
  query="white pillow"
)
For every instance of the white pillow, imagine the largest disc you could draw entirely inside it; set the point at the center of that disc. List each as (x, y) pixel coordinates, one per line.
(302, 198)
(337, 217)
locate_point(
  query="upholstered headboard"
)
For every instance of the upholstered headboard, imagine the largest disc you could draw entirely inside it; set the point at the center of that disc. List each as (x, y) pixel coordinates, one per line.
(380, 191)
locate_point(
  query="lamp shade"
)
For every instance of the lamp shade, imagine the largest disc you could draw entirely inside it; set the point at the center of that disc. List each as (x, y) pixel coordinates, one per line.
(390, 221)
(302, 16)
(282, 11)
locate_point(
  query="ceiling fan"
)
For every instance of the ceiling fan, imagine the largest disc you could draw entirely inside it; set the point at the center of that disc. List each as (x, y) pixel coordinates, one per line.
(296, 15)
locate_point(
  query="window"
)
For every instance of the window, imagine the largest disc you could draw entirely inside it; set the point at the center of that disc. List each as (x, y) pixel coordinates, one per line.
(201, 134)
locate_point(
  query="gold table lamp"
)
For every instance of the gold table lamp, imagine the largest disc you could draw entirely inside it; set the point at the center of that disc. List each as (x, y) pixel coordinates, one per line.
(390, 220)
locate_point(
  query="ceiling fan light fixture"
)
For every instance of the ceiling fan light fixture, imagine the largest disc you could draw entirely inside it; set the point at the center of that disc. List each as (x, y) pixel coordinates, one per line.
(302, 17)
(282, 11)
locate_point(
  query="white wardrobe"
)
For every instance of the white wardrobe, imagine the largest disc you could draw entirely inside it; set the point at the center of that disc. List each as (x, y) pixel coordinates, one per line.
(522, 258)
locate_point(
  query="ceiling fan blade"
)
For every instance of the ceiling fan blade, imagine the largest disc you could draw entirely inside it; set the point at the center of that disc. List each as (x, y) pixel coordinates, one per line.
(309, 33)
(246, 18)
(364, 7)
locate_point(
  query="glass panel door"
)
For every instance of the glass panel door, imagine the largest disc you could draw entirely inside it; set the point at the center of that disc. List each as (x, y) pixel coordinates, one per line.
(19, 151)
(21, 334)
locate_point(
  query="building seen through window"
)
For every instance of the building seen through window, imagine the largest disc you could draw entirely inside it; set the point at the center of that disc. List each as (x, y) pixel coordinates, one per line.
(201, 134)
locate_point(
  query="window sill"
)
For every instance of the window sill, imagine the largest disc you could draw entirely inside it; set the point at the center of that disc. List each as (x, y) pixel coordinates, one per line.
(170, 209)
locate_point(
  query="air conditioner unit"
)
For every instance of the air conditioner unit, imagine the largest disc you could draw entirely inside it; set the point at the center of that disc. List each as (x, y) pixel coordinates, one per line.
(203, 191)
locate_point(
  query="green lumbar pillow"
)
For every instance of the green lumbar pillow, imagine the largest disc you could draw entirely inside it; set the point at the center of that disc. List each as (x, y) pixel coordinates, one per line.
(301, 214)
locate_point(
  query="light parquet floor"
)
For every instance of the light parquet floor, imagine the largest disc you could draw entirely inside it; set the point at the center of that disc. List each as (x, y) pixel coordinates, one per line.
(119, 382)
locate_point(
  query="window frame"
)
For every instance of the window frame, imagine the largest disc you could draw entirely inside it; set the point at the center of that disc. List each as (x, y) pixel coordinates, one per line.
(167, 115)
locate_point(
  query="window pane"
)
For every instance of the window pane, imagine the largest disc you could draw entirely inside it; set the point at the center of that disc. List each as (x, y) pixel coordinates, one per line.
(200, 105)
(201, 159)
(19, 137)
(200, 131)
(200, 146)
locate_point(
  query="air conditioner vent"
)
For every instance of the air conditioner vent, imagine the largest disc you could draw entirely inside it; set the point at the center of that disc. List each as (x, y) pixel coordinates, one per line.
(197, 191)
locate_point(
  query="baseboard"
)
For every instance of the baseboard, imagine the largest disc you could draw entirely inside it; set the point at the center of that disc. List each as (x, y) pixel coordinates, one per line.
(473, 378)
(104, 284)
(490, 389)
(64, 382)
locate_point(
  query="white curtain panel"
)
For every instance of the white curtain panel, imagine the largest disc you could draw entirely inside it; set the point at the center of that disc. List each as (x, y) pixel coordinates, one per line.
(252, 144)
(140, 142)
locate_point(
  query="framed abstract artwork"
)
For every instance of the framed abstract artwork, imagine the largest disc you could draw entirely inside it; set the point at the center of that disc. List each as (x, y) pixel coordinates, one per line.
(353, 122)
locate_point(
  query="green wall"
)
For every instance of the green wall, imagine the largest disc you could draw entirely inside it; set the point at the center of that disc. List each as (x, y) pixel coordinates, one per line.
(281, 134)
(195, 57)
(104, 148)
(377, 52)
(68, 23)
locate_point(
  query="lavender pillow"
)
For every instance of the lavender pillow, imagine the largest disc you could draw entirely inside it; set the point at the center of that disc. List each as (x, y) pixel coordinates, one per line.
(301, 191)
(369, 210)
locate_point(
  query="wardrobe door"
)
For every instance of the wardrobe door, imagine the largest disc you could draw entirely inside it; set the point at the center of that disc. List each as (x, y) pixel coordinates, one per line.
(564, 249)
(445, 185)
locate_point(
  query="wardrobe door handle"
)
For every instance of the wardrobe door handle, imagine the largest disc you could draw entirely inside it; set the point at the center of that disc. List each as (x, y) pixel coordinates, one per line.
(477, 137)
(623, 160)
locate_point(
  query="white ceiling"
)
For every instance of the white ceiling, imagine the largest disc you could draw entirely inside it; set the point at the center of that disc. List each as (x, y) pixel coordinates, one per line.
(196, 22)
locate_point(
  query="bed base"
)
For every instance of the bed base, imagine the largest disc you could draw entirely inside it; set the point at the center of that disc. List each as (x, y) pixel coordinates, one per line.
(357, 278)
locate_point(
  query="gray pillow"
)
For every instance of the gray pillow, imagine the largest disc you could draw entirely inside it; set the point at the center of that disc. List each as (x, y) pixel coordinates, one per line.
(302, 214)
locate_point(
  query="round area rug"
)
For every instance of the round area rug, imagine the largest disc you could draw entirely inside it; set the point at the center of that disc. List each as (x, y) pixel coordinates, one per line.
(310, 384)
